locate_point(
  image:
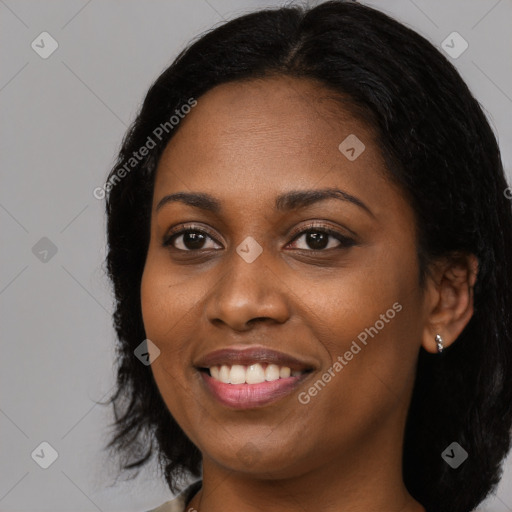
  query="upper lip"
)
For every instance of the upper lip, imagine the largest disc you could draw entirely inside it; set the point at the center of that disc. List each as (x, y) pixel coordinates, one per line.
(251, 355)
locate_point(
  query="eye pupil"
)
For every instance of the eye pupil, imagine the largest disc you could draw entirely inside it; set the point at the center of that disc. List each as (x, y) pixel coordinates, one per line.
(317, 240)
(193, 240)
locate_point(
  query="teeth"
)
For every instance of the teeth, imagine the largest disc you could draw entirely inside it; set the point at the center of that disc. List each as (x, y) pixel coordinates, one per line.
(272, 372)
(237, 374)
(224, 374)
(251, 374)
(254, 374)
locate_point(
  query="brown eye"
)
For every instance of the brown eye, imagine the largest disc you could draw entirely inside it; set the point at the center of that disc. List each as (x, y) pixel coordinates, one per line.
(188, 240)
(321, 238)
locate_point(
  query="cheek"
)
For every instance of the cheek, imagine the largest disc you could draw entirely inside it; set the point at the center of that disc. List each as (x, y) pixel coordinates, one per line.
(169, 316)
(154, 304)
(354, 299)
(166, 313)
(371, 318)
(166, 299)
(172, 304)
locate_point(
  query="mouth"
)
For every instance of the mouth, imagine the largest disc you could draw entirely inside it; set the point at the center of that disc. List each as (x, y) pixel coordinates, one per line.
(251, 386)
(245, 377)
(255, 373)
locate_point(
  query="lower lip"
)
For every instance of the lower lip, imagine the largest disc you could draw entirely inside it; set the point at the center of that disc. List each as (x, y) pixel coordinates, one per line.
(247, 396)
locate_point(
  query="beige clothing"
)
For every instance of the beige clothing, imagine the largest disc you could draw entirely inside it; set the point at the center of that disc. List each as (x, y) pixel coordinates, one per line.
(179, 503)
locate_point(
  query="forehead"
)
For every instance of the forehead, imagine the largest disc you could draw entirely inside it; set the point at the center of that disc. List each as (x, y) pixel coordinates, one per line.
(266, 136)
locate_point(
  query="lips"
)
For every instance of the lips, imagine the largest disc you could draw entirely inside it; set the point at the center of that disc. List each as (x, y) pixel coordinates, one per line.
(251, 396)
(292, 371)
(252, 355)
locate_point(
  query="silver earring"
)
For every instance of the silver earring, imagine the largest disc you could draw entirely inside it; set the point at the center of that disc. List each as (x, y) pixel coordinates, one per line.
(439, 342)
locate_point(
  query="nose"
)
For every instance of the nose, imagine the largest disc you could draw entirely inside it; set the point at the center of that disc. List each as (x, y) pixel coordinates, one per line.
(248, 293)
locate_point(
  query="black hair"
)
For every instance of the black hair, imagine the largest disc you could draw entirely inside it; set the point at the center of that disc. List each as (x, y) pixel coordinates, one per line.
(438, 146)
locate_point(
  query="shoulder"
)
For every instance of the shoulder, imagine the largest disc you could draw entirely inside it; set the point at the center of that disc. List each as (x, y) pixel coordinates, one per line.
(179, 503)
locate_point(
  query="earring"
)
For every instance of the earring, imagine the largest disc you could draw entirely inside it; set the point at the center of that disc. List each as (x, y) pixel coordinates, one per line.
(439, 342)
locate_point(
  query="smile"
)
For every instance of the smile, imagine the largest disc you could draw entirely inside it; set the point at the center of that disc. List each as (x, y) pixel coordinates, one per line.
(251, 374)
(243, 387)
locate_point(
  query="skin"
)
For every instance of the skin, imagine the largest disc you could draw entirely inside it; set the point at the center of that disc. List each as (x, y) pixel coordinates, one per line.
(245, 143)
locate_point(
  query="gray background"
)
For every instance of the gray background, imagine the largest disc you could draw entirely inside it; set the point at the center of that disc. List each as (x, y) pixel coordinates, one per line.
(62, 122)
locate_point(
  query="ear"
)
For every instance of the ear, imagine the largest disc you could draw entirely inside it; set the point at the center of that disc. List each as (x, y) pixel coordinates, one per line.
(449, 299)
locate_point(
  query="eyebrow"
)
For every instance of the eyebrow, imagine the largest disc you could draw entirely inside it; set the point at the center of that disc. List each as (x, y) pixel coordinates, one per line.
(291, 200)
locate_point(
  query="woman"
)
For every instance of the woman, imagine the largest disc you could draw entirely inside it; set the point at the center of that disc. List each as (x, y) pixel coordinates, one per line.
(310, 246)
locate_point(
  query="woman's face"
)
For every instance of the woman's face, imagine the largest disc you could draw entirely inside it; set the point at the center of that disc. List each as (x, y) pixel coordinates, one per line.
(346, 304)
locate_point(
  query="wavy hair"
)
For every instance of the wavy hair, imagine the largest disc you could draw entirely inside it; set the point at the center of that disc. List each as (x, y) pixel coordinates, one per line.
(438, 146)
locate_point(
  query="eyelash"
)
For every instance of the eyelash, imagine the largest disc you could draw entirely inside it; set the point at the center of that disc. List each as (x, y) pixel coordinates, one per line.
(345, 242)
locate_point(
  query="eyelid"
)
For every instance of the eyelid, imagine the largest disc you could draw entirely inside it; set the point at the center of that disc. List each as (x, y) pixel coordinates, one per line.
(184, 227)
(323, 226)
(299, 231)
